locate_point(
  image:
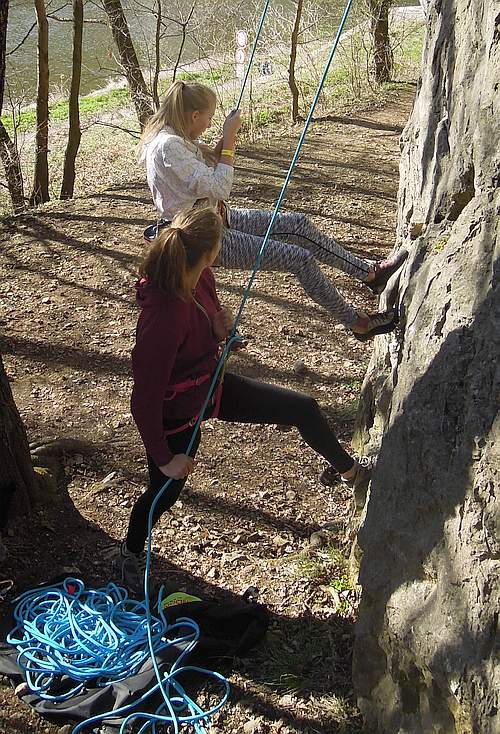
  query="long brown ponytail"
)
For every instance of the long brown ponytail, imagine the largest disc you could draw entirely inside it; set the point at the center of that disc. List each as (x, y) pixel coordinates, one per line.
(179, 248)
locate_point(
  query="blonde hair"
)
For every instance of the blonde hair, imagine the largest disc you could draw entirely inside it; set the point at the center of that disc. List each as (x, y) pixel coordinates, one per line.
(179, 248)
(181, 99)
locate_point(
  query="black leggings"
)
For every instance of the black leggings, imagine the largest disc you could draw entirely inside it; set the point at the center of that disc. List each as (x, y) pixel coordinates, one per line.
(243, 401)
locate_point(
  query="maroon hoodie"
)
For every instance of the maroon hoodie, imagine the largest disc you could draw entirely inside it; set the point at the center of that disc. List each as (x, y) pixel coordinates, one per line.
(175, 342)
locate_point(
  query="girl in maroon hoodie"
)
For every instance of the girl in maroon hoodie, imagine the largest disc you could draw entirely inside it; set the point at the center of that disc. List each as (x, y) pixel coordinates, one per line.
(180, 329)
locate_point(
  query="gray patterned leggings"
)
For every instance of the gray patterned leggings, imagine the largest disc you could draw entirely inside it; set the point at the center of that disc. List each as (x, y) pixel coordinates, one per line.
(304, 245)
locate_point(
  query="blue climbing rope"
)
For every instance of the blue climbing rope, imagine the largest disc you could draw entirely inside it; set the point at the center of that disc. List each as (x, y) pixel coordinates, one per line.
(101, 635)
(252, 54)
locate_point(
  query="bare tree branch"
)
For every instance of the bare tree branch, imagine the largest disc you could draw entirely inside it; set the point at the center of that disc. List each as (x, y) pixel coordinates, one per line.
(134, 133)
(27, 35)
(183, 41)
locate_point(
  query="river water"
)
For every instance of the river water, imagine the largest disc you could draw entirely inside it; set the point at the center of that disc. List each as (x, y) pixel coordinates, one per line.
(213, 27)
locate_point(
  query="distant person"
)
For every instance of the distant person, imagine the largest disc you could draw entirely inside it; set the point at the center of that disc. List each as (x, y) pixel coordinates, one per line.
(181, 172)
(179, 333)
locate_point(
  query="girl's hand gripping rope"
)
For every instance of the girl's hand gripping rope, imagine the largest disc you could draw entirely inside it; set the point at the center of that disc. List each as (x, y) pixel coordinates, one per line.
(232, 123)
(238, 343)
(179, 467)
(222, 323)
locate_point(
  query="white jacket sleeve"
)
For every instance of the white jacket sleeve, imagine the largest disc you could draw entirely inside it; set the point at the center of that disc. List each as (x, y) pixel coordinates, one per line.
(193, 175)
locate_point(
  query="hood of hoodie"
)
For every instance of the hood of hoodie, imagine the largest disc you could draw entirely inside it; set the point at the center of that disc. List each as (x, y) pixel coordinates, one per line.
(147, 296)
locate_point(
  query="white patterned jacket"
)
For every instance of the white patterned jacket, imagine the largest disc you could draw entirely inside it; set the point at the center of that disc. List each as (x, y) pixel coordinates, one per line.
(178, 175)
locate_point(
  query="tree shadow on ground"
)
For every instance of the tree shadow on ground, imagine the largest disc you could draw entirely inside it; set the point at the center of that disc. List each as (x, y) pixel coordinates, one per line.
(361, 122)
(89, 360)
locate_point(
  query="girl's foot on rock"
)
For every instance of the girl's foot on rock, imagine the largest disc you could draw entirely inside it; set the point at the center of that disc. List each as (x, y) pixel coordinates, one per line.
(381, 271)
(369, 325)
(358, 476)
(329, 476)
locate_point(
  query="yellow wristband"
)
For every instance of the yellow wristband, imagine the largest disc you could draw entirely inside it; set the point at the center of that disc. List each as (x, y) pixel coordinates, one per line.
(229, 153)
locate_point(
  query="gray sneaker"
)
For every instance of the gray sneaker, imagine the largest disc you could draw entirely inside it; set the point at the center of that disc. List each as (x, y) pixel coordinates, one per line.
(131, 567)
(361, 479)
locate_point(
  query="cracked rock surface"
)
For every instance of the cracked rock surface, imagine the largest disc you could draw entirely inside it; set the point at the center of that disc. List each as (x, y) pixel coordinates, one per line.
(428, 543)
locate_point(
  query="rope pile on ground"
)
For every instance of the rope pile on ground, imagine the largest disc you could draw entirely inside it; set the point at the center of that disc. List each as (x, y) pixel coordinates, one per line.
(101, 636)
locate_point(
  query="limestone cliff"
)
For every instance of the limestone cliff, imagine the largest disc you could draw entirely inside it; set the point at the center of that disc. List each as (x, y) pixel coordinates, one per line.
(425, 643)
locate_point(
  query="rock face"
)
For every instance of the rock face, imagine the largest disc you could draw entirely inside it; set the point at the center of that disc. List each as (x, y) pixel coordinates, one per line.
(424, 659)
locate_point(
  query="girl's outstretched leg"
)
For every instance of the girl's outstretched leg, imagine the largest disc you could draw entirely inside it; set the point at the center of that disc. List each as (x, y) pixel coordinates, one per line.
(245, 400)
(298, 229)
(239, 252)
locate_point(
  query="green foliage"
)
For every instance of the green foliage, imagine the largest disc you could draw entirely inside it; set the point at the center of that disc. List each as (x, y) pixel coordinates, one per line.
(305, 659)
(328, 567)
(324, 565)
(220, 74)
(265, 117)
(294, 664)
(89, 105)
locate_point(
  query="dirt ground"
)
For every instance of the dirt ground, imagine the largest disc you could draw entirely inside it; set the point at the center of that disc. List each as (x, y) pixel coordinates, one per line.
(68, 322)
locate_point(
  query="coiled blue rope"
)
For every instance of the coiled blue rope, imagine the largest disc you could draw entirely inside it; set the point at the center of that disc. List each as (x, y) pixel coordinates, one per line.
(101, 635)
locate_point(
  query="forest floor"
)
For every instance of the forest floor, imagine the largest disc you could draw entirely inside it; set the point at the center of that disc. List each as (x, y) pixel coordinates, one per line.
(254, 501)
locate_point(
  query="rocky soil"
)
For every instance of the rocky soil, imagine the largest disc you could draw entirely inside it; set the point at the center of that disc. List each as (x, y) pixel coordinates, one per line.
(254, 501)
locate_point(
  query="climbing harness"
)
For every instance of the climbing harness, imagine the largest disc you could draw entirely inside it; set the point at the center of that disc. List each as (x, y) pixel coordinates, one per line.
(176, 701)
(214, 403)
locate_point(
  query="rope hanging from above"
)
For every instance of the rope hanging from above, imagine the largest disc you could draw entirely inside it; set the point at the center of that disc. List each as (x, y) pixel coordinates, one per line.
(252, 54)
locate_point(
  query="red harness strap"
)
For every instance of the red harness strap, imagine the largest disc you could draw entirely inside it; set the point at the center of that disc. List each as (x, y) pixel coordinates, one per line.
(187, 385)
(216, 398)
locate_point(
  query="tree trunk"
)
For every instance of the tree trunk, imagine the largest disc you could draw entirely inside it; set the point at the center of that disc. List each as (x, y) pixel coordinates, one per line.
(293, 56)
(424, 655)
(75, 133)
(8, 151)
(13, 173)
(382, 53)
(128, 60)
(40, 192)
(17, 479)
(4, 14)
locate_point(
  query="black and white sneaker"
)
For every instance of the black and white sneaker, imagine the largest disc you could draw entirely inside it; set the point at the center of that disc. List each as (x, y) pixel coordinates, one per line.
(130, 567)
(385, 269)
(360, 479)
(378, 323)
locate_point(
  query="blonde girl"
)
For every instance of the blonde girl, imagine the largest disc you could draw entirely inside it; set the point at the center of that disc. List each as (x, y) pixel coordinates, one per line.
(181, 172)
